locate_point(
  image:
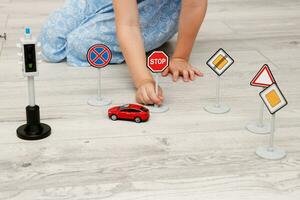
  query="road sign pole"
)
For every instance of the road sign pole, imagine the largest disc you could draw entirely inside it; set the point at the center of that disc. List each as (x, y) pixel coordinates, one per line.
(219, 63)
(156, 87)
(271, 141)
(263, 78)
(274, 101)
(156, 108)
(271, 152)
(259, 127)
(156, 83)
(218, 91)
(218, 107)
(157, 62)
(99, 100)
(99, 83)
(261, 115)
(99, 56)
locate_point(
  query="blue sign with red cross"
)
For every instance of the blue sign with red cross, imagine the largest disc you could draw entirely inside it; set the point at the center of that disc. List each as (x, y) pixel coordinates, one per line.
(99, 56)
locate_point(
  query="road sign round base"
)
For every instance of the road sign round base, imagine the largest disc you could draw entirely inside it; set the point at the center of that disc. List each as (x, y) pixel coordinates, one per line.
(270, 153)
(96, 101)
(27, 133)
(158, 109)
(255, 127)
(217, 109)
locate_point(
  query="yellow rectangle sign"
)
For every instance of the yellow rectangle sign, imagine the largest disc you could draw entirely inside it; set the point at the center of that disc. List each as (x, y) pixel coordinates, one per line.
(273, 98)
(220, 62)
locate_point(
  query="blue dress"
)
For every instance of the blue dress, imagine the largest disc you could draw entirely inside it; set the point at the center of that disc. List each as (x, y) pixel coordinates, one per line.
(72, 29)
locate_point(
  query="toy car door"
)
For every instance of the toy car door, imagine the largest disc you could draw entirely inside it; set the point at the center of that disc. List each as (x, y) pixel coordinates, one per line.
(124, 113)
(134, 113)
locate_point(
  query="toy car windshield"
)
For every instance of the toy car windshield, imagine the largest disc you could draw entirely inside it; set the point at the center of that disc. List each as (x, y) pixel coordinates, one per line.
(124, 106)
(144, 109)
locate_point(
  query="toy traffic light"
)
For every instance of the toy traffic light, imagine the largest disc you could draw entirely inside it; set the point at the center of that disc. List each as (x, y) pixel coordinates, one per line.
(28, 54)
(33, 129)
(29, 58)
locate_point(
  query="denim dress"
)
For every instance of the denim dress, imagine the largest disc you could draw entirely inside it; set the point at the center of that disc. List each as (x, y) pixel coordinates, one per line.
(71, 30)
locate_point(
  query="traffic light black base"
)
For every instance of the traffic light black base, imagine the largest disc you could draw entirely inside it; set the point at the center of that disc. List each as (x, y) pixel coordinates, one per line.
(33, 129)
(44, 131)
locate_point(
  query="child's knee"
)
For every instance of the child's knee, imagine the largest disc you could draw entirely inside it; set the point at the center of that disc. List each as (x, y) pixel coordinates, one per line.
(77, 47)
(52, 45)
(76, 43)
(53, 36)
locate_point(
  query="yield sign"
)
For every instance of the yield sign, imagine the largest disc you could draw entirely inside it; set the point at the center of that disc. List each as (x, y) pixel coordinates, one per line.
(263, 78)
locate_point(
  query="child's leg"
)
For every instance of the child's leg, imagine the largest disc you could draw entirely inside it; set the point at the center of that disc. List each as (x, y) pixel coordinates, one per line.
(158, 24)
(98, 30)
(60, 23)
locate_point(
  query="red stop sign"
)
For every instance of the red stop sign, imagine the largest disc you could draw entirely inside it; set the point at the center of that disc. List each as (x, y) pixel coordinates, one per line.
(158, 61)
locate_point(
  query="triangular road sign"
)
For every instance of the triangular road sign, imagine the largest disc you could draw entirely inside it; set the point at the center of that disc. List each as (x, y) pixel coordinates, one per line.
(264, 77)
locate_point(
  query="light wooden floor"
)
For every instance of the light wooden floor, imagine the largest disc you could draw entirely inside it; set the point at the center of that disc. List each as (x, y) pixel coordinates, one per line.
(184, 154)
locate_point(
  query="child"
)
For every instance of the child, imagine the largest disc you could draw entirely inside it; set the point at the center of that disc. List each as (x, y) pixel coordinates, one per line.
(129, 28)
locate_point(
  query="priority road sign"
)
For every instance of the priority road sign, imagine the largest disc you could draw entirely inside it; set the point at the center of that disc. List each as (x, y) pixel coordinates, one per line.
(264, 77)
(158, 61)
(99, 56)
(220, 62)
(273, 98)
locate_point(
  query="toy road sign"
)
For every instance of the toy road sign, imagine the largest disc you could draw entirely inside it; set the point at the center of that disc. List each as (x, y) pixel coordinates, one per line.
(220, 62)
(158, 61)
(273, 98)
(264, 77)
(99, 56)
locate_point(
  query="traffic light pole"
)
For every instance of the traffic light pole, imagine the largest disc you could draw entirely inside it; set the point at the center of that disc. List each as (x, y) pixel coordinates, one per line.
(33, 129)
(31, 91)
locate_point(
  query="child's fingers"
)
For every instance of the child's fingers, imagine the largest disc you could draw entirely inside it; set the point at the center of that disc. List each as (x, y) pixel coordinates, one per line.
(198, 72)
(140, 96)
(192, 74)
(146, 98)
(154, 98)
(165, 72)
(185, 75)
(139, 99)
(175, 75)
(160, 94)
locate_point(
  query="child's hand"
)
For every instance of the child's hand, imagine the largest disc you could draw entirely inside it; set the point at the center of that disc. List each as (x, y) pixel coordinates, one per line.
(180, 67)
(146, 95)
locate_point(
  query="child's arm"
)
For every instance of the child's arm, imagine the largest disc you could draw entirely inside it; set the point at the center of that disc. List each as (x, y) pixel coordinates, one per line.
(191, 17)
(132, 46)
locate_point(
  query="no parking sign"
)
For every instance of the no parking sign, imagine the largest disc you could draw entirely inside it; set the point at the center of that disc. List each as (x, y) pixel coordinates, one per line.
(99, 56)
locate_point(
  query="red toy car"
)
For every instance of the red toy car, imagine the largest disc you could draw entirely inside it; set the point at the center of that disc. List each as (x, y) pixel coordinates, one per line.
(131, 112)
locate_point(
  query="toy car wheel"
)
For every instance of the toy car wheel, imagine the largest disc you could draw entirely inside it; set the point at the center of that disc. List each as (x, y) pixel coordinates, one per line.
(114, 117)
(138, 120)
